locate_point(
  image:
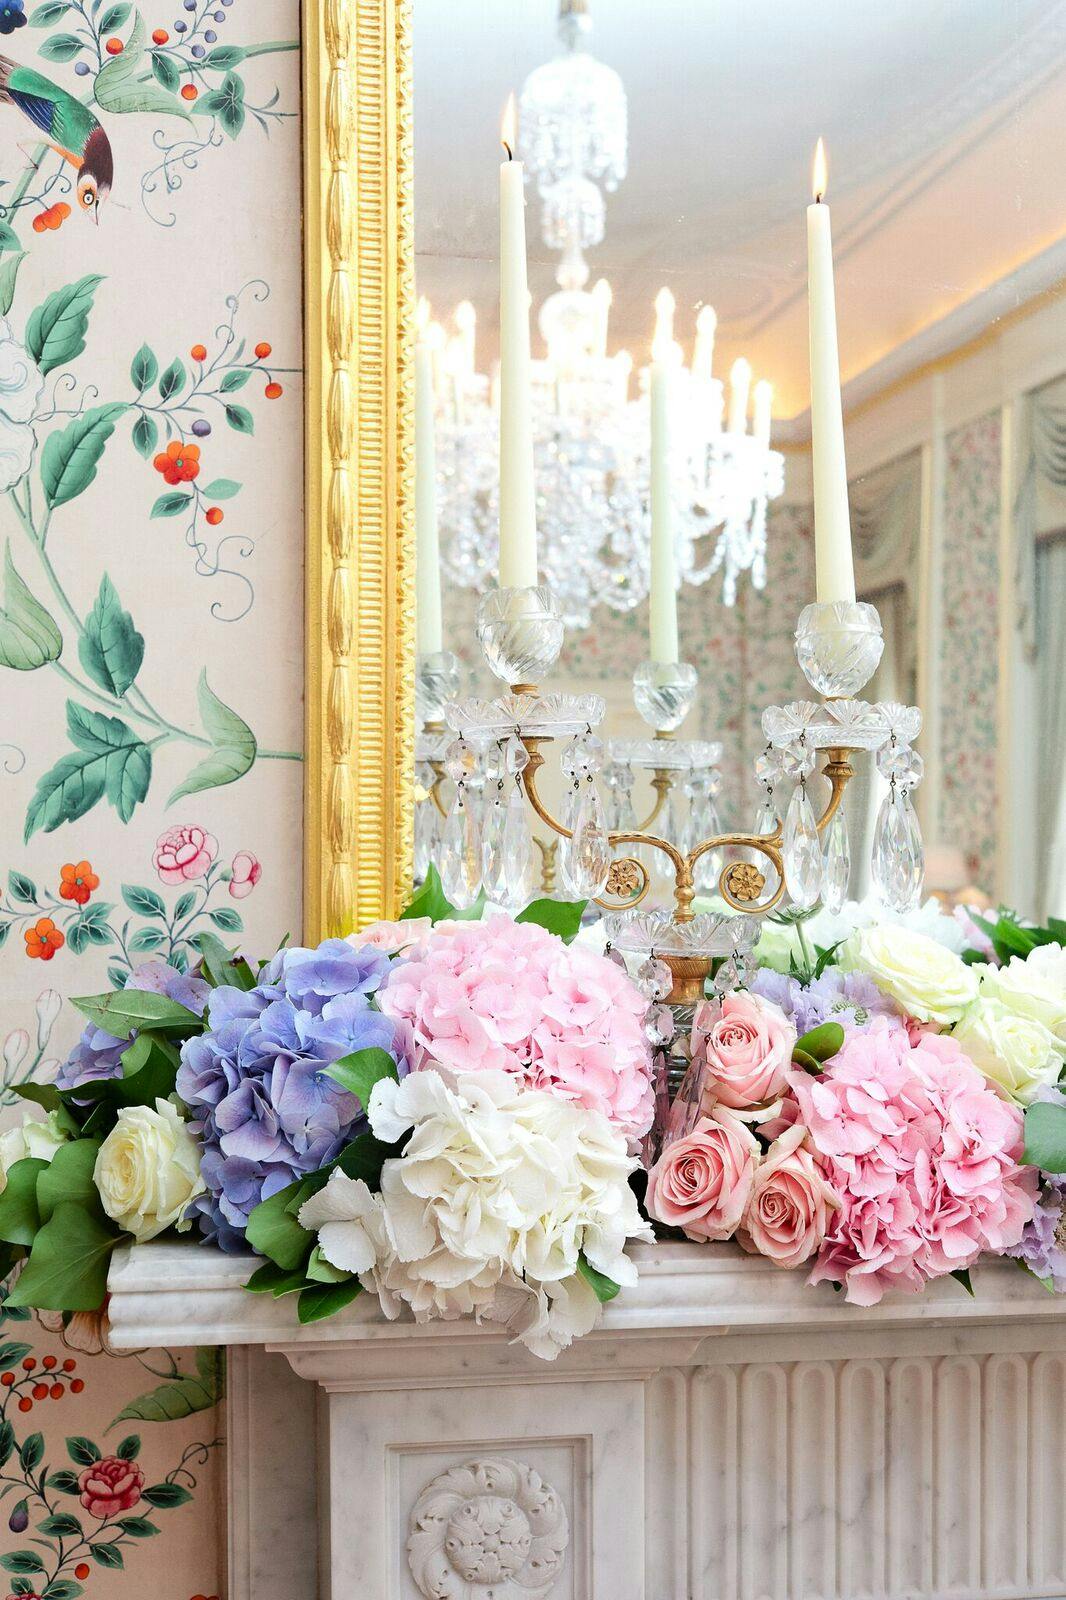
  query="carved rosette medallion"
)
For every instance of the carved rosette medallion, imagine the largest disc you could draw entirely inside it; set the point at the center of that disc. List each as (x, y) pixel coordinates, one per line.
(624, 879)
(744, 881)
(487, 1530)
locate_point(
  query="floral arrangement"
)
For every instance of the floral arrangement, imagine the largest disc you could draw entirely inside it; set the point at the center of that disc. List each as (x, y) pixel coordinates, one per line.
(453, 1115)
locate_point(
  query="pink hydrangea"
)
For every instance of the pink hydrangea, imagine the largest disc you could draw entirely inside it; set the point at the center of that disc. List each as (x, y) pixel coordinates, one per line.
(924, 1155)
(510, 996)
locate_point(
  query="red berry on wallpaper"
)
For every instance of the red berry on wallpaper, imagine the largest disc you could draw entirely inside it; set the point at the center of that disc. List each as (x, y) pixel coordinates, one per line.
(40, 1391)
(49, 1361)
(77, 1386)
(262, 351)
(274, 391)
(81, 1571)
(29, 1364)
(7, 1379)
(199, 352)
(215, 515)
(69, 1364)
(57, 1391)
(189, 91)
(25, 1404)
(114, 47)
(160, 36)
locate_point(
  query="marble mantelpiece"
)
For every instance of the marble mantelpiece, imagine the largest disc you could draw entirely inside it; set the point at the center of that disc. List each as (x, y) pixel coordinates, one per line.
(727, 1432)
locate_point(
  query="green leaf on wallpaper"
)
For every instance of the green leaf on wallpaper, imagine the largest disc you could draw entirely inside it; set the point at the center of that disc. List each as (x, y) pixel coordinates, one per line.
(110, 649)
(67, 1267)
(145, 434)
(227, 104)
(224, 56)
(44, 16)
(235, 379)
(70, 457)
(21, 887)
(61, 47)
(114, 17)
(233, 746)
(110, 759)
(165, 71)
(144, 369)
(56, 331)
(119, 86)
(169, 504)
(240, 419)
(173, 380)
(28, 636)
(22, 1561)
(108, 1555)
(145, 902)
(169, 1402)
(220, 489)
(227, 919)
(143, 940)
(92, 927)
(9, 271)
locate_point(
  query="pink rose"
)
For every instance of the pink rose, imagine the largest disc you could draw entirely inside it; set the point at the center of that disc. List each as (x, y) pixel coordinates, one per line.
(245, 873)
(702, 1183)
(182, 854)
(392, 937)
(747, 1045)
(790, 1206)
(110, 1486)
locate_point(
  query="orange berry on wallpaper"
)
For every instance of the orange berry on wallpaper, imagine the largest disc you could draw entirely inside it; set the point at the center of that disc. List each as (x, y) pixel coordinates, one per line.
(114, 47)
(262, 351)
(189, 91)
(81, 1571)
(274, 391)
(199, 352)
(39, 224)
(160, 36)
(215, 515)
(67, 125)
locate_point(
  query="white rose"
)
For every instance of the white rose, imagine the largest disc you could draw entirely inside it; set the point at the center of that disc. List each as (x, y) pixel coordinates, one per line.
(148, 1171)
(1015, 1051)
(928, 981)
(1034, 987)
(36, 1137)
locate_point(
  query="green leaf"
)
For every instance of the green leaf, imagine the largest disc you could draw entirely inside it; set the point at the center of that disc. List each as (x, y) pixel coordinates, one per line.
(70, 457)
(165, 71)
(233, 746)
(42, 1094)
(221, 489)
(55, 333)
(82, 1451)
(107, 1555)
(7, 1432)
(558, 916)
(235, 379)
(173, 380)
(145, 368)
(145, 434)
(114, 17)
(166, 1496)
(43, 16)
(22, 1561)
(181, 1397)
(20, 1219)
(118, 87)
(808, 1063)
(319, 1270)
(63, 1589)
(67, 1267)
(224, 56)
(962, 1275)
(360, 1071)
(1045, 1137)
(227, 919)
(110, 649)
(171, 503)
(227, 104)
(144, 940)
(603, 1287)
(61, 47)
(31, 1451)
(272, 1279)
(274, 1232)
(130, 1448)
(22, 888)
(145, 902)
(29, 638)
(119, 1011)
(62, 1525)
(65, 1482)
(9, 271)
(69, 1177)
(430, 900)
(822, 1042)
(92, 928)
(240, 419)
(220, 965)
(138, 1527)
(110, 759)
(325, 1299)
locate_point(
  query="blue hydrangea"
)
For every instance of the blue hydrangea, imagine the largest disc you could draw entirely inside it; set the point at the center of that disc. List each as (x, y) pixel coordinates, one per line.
(265, 1111)
(98, 1054)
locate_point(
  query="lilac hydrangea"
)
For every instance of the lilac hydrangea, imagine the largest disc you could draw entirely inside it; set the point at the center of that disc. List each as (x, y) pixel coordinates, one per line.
(849, 998)
(1043, 1244)
(265, 1112)
(98, 1054)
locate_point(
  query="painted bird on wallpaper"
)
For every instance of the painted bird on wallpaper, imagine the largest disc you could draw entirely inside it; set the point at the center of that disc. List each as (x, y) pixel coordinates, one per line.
(66, 125)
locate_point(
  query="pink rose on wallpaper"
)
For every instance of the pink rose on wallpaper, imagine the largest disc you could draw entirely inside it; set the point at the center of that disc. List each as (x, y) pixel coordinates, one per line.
(245, 873)
(747, 1045)
(110, 1486)
(702, 1183)
(184, 853)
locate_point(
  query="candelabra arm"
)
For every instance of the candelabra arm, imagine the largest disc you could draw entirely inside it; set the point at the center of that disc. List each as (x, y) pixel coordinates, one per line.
(662, 782)
(839, 772)
(529, 784)
(741, 883)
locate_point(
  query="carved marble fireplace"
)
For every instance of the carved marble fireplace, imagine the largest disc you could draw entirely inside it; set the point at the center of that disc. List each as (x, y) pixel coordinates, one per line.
(727, 1434)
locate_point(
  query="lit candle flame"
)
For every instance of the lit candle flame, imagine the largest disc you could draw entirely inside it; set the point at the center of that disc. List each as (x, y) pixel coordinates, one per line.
(602, 291)
(706, 320)
(663, 342)
(507, 131)
(819, 172)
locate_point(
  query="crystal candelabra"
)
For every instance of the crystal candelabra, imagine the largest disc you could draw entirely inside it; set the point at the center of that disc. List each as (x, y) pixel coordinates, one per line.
(500, 747)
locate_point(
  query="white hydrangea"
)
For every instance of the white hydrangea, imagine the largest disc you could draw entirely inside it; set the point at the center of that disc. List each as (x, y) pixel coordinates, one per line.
(497, 1194)
(779, 941)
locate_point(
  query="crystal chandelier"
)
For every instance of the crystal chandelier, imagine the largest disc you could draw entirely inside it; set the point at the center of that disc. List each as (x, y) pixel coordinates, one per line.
(590, 414)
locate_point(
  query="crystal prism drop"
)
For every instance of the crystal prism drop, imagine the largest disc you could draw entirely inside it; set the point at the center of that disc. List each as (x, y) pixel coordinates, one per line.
(802, 851)
(460, 854)
(426, 819)
(585, 859)
(507, 854)
(707, 825)
(898, 860)
(837, 863)
(492, 867)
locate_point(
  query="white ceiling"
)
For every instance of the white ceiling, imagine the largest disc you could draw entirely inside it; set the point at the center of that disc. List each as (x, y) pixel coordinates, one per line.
(944, 121)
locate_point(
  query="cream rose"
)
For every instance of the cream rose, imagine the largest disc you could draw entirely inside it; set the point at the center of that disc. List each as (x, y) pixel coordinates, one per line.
(1034, 987)
(1015, 1051)
(929, 982)
(148, 1171)
(34, 1137)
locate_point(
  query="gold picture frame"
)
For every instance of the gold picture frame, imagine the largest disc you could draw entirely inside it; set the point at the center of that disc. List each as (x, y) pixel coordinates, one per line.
(359, 321)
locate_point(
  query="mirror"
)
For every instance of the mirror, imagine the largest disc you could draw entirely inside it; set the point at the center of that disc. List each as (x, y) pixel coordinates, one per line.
(667, 173)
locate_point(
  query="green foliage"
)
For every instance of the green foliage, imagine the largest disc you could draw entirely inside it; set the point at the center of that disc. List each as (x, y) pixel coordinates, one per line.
(69, 1177)
(558, 916)
(110, 649)
(144, 369)
(233, 746)
(29, 638)
(71, 456)
(604, 1288)
(360, 1071)
(55, 332)
(145, 434)
(119, 1011)
(61, 47)
(181, 1396)
(171, 503)
(145, 902)
(273, 1230)
(325, 1299)
(119, 87)
(1045, 1137)
(1012, 938)
(110, 759)
(9, 271)
(50, 12)
(227, 104)
(240, 419)
(173, 380)
(820, 1044)
(165, 71)
(962, 1275)
(221, 488)
(67, 1267)
(19, 1214)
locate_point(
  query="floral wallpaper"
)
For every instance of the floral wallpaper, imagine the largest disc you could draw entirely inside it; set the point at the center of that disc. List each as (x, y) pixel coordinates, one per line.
(969, 651)
(150, 655)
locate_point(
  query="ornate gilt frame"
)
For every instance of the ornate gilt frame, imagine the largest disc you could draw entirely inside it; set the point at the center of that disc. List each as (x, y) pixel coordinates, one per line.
(359, 317)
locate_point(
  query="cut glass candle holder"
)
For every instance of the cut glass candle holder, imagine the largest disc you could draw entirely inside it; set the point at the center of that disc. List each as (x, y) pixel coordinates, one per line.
(838, 646)
(663, 692)
(520, 632)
